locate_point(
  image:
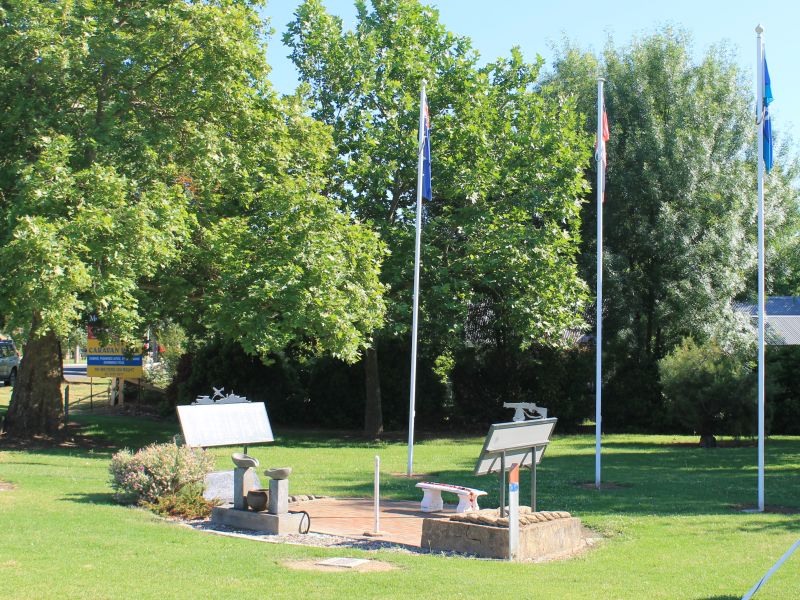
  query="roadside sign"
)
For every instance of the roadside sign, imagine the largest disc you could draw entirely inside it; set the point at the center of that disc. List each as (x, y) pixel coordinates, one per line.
(110, 361)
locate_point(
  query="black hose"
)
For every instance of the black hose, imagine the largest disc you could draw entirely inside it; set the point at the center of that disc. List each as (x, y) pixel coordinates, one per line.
(307, 519)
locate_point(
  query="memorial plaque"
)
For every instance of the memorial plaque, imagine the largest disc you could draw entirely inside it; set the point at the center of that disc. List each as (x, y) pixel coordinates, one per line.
(206, 425)
(517, 439)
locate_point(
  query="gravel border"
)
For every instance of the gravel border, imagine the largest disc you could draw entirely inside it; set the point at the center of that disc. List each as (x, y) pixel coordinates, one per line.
(319, 540)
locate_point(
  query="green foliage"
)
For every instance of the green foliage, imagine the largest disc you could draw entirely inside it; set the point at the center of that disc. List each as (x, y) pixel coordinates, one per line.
(783, 379)
(502, 229)
(187, 504)
(679, 213)
(149, 171)
(76, 242)
(294, 274)
(157, 471)
(172, 339)
(709, 391)
(553, 378)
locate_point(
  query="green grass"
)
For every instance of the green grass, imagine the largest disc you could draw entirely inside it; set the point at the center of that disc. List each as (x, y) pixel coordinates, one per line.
(673, 529)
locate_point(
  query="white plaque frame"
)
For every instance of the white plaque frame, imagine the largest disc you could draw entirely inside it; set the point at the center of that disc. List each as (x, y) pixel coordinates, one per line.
(516, 439)
(242, 424)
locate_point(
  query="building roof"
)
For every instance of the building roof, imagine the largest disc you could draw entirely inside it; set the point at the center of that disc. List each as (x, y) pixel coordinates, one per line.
(782, 319)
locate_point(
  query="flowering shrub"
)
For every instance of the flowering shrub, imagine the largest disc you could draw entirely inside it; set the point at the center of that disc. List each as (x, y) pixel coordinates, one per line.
(156, 471)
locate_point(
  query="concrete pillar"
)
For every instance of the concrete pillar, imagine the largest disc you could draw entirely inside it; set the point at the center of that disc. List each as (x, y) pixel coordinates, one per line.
(278, 496)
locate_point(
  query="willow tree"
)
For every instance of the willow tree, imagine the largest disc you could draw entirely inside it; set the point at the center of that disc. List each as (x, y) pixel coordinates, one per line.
(147, 167)
(679, 214)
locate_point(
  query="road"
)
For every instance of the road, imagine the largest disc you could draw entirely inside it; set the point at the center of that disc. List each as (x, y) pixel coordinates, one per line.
(77, 369)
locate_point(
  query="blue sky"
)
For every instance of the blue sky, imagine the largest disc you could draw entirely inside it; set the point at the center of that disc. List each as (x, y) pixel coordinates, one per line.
(535, 25)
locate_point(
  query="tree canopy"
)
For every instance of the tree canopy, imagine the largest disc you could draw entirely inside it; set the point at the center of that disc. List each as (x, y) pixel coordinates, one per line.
(501, 232)
(680, 204)
(149, 168)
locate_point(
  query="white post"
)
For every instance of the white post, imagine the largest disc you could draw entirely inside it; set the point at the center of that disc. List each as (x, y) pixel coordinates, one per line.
(412, 399)
(377, 494)
(513, 512)
(598, 379)
(761, 287)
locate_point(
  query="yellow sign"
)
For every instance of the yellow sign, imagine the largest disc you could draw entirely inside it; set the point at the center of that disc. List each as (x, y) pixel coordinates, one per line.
(110, 361)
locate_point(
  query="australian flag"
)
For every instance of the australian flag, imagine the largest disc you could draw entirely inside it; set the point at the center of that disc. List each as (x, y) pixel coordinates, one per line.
(426, 151)
(767, 122)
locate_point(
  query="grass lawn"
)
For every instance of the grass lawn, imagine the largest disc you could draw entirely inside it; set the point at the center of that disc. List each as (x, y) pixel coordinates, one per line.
(672, 527)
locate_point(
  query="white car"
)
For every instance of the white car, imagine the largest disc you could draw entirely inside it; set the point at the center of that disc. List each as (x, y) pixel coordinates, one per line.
(9, 362)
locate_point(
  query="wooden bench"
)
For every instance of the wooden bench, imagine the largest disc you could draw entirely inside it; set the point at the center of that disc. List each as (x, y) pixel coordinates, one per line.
(432, 496)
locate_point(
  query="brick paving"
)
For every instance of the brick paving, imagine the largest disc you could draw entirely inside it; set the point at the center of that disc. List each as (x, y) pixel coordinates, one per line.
(400, 522)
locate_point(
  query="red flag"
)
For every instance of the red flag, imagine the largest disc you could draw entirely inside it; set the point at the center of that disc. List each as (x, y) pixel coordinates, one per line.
(600, 147)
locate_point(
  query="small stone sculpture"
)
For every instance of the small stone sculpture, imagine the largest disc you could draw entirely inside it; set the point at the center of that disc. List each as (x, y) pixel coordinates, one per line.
(278, 472)
(243, 461)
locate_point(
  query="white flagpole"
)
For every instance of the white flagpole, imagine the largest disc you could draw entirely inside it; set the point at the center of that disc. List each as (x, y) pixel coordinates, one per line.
(598, 385)
(761, 287)
(412, 399)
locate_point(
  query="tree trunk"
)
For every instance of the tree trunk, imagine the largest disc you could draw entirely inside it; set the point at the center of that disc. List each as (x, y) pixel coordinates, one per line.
(373, 412)
(708, 441)
(36, 404)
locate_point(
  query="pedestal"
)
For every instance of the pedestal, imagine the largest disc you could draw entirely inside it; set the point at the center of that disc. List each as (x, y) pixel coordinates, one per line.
(244, 480)
(278, 496)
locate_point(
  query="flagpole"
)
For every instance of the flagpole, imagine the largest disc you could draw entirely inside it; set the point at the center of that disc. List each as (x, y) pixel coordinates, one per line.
(761, 286)
(418, 242)
(598, 383)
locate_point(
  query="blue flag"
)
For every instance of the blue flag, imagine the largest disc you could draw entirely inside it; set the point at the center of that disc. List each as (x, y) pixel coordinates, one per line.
(767, 122)
(426, 153)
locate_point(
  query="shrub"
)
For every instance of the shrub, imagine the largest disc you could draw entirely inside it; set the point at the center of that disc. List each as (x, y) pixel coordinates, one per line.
(187, 504)
(708, 390)
(157, 471)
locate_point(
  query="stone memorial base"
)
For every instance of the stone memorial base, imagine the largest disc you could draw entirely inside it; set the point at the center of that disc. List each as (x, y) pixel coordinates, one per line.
(484, 533)
(219, 485)
(262, 522)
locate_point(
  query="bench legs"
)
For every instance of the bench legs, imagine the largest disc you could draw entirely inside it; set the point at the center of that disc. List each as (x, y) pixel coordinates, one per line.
(467, 503)
(431, 501)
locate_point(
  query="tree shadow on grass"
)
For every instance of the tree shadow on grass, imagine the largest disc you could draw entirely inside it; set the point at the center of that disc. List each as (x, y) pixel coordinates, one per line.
(92, 498)
(646, 486)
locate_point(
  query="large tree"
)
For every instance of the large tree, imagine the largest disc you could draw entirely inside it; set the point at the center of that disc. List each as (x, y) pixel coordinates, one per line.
(501, 231)
(147, 168)
(679, 214)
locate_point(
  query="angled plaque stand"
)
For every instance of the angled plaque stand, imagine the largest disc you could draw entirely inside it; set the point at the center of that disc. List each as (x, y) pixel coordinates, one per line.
(521, 443)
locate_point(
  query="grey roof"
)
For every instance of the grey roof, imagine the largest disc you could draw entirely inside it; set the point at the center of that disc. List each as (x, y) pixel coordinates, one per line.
(783, 319)
(783, 306)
